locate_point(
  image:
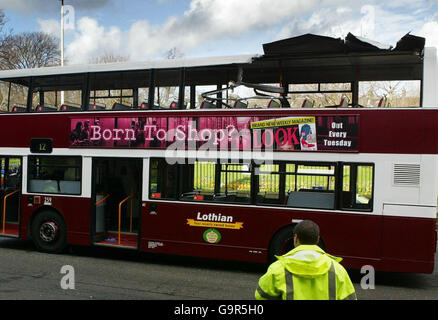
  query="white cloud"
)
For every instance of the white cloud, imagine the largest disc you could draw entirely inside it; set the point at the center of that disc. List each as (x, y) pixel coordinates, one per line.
(240, 16)
(50, 26)
(208, 21)
(42, 6)
(329, 21)
(205, 21)
(375, 22)
(430, 32)
(92, 40)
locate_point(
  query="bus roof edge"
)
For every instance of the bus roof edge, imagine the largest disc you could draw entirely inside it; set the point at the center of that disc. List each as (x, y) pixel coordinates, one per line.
(130, 66)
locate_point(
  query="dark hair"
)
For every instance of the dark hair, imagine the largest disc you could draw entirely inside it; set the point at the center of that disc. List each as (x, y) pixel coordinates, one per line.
(307, 232)
(306, 129)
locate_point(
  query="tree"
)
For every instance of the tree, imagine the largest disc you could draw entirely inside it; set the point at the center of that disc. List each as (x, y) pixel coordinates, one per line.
(2, 20)
(29, 50)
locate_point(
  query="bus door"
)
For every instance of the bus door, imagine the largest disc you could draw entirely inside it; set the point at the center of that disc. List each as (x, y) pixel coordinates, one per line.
(116, 200)
(10, 195)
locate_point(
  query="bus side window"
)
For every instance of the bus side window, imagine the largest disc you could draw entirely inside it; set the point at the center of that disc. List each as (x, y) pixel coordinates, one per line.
(55, 175)
(346, 190)
(235, 183)
(13, 174)
(357, 187)
(163, 180)
(198, 181)
(364, 186)
(270, 185)
(299, 185)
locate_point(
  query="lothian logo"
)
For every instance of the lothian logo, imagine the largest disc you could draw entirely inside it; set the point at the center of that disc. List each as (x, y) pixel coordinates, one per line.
(214, 217)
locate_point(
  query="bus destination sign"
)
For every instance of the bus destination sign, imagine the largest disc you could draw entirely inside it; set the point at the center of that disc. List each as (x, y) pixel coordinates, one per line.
(41, 145)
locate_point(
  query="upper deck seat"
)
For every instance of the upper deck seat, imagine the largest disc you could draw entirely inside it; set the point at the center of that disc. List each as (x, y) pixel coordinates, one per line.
(173, 105)
(240, 105)
(145, 106)
(308, 103)
(121, 107)
(208, 105)
(18, 109)
(344, 103)
(383, 102)
(40, 108)
(67, 108)
(273, 104)
(96, 107)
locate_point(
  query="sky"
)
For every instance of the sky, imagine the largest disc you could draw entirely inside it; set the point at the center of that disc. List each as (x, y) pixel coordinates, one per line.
(143, 30)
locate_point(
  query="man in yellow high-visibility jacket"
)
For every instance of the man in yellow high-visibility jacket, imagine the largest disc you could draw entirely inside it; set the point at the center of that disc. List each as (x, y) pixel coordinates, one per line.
(306, 272)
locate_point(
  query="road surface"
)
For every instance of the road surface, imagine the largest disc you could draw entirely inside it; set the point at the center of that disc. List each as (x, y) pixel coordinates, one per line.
(107, 273)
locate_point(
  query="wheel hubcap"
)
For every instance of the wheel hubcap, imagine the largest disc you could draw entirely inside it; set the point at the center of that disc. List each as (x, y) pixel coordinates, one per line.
(49, 231)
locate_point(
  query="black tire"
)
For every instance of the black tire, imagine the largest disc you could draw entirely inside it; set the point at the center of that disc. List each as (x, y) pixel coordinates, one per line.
(49, 232)
(283, 242)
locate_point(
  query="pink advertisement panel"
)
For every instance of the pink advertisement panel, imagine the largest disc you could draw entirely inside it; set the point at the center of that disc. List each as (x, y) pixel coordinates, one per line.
(297, 133)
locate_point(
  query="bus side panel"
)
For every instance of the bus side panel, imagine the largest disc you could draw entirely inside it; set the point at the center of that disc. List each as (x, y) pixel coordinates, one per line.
(75, 211)
(354, 236)
(175, 228)
(409, 244)
(351, 235)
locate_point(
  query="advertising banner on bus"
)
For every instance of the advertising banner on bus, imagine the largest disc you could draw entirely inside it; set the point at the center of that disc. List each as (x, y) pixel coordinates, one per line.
(306, 133)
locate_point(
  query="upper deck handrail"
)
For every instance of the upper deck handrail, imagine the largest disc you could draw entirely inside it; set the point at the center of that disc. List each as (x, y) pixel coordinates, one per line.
(257, 88)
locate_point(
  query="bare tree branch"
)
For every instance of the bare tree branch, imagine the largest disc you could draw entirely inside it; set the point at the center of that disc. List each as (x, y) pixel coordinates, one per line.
(29, 50)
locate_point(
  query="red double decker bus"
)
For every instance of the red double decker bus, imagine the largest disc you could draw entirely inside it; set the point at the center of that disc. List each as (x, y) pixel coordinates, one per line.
(221, 157)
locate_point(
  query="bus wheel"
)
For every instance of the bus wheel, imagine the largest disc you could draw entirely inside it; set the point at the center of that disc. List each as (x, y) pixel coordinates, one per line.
(281, 243)
(49, 232)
